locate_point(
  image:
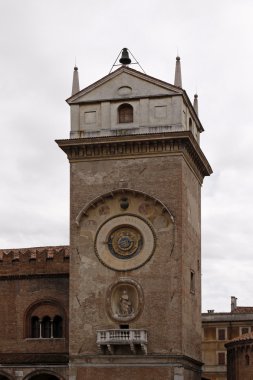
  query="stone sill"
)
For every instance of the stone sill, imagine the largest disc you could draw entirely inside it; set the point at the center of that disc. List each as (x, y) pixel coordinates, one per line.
(45, 339)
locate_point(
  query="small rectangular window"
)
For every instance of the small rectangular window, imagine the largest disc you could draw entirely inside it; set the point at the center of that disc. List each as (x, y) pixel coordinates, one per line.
(192, 282)
(221, 358)
(124, 327)
(221, 334)
(244, 330)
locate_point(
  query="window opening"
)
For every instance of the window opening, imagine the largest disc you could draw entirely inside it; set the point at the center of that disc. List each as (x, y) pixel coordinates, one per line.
(221, 334)
(125, 113)
(57, 327)
(190, 124)
(244, 330)
(35, 327)
(221, 358)
(192, 283)
(46, 327)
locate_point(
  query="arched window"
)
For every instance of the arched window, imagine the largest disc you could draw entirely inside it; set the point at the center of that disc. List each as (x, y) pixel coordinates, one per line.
(45, 319)
(35, 327)
(46, 327)
(125, 113)
(57, 327)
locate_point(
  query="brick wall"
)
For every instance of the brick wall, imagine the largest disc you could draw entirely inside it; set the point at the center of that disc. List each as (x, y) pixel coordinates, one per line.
(32, 278)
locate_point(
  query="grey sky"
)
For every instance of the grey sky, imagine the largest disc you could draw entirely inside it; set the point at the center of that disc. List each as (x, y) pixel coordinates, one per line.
(38, 43)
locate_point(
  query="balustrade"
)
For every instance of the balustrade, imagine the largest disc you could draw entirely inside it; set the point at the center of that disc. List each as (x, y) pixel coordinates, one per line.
(131, 337)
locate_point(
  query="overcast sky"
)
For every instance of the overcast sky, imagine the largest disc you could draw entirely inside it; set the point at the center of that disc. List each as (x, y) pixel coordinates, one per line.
(39, 41)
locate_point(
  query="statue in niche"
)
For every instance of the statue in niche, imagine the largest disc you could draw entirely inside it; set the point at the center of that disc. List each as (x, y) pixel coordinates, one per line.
(125, 305)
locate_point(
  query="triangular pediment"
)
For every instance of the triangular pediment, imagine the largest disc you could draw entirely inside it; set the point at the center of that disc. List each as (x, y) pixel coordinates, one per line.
(124, 83)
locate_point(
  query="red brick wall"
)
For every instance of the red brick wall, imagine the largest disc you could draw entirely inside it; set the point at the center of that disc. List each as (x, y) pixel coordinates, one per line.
(25, 282)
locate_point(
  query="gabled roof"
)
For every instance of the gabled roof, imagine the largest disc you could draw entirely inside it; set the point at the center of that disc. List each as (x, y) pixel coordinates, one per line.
(163, 86)
(142, 85)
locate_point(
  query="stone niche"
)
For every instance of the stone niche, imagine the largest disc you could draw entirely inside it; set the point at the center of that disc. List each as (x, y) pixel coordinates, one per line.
(124, 301)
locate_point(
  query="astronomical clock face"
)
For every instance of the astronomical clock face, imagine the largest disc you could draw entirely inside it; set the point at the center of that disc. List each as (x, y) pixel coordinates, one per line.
(124, 242)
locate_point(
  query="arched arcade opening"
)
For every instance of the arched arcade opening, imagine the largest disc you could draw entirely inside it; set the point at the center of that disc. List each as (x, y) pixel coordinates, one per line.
(43, 376)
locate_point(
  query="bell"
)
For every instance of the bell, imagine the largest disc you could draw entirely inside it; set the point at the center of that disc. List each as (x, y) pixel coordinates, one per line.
(125, 60)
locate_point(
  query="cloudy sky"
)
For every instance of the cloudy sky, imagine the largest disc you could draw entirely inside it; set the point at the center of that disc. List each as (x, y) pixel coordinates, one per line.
(39, 41)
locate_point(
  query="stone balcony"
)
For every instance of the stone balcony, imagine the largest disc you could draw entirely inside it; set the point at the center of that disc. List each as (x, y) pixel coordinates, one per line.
(112, 339)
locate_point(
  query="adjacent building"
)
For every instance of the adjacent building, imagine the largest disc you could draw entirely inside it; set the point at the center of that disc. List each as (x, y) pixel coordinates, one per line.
(240, 357)
(218, 329)
(34, 303)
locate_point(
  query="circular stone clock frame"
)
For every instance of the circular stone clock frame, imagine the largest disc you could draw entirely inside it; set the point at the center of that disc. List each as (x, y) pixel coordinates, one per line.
(125, 242)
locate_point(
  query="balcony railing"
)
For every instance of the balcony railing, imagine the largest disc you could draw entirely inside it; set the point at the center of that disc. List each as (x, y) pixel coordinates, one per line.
(131, 337)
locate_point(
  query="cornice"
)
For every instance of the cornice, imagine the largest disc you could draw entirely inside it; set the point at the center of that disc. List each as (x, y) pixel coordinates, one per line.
(137, 146)
(25, 358)
(149, 360)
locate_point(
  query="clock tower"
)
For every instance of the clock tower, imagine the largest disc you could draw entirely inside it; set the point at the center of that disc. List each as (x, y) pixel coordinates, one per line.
(136, 170)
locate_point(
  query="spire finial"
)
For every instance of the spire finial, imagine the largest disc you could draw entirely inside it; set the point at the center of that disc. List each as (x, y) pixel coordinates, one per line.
(178, 77)
(195, 104)
(75, 84)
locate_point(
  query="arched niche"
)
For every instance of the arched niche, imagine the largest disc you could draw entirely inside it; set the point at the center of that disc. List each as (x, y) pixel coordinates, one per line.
(124, 196)
(122, 228)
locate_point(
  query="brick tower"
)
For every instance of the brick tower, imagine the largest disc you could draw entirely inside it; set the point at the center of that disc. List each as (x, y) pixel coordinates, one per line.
(136, 173)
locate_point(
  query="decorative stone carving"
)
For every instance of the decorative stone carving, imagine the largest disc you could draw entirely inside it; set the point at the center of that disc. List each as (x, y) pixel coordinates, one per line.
(125, 242)
(125, 305)
(124, 90)
(124, 301)
(133, 201)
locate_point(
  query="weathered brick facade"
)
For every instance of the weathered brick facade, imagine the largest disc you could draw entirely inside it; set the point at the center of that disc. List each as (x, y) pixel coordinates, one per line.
(33, 282)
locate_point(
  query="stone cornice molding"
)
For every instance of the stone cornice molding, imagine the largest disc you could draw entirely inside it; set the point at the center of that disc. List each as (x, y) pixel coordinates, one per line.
(153, 360)
(27, 358)
(135, 146)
